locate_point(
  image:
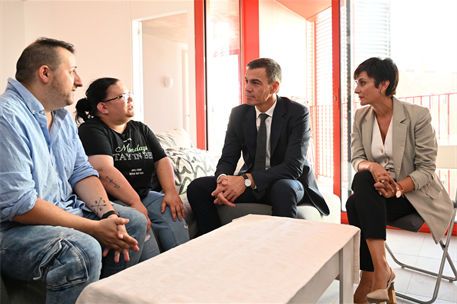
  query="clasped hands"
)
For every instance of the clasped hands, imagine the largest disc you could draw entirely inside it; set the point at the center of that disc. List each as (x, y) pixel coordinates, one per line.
(112, 234)
(228, 188)
(384, 183)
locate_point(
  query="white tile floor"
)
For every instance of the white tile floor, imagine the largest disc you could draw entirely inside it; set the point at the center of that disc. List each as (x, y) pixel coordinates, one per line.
(420, 250)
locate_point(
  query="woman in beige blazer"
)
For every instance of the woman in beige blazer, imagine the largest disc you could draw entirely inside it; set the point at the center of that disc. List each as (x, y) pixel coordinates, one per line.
(394, 150)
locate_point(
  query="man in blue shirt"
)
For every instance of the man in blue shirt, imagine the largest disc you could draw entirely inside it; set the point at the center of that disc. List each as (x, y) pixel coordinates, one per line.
(54, 212)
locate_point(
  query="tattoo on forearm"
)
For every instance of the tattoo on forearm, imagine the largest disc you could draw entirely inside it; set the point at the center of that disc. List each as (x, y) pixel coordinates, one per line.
(98, 206)
(111, 181)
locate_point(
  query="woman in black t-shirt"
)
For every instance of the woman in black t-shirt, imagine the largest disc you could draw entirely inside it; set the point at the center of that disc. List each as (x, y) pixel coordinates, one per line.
(126, 154)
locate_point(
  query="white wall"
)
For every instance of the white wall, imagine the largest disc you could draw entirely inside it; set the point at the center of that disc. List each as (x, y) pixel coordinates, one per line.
(161, 58)
(101, 32)
(12, 38)
(283, 38)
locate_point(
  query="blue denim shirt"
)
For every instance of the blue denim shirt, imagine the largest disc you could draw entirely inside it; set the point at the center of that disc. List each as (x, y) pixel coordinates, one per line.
(35, 163)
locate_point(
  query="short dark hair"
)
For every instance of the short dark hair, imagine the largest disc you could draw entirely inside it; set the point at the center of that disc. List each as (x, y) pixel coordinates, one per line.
(86, 108)
(380, 70)
(273, 69)
(41, 52)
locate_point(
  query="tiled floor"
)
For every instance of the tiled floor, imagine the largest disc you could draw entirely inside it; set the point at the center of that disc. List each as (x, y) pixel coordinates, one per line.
(420, 250)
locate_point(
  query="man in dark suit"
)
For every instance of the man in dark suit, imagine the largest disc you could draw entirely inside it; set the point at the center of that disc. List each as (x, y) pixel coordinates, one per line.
(277, 174)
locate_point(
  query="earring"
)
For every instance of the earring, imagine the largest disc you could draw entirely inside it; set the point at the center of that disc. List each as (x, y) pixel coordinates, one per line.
(382, 92)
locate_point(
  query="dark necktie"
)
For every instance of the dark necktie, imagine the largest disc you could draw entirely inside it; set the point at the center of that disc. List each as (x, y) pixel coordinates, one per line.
(261, 148)
(261, 151)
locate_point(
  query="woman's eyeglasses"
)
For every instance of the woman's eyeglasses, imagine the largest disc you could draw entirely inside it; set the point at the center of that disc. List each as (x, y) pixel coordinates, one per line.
(124, 96)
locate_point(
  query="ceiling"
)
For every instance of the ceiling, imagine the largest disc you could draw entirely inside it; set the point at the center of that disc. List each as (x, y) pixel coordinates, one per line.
(174, 27)
(306, 8)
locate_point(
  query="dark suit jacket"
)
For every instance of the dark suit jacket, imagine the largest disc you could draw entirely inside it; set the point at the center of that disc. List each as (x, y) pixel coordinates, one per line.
(289, 137)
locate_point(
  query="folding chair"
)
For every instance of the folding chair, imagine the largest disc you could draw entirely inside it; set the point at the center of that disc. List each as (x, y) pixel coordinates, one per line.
(447, 158)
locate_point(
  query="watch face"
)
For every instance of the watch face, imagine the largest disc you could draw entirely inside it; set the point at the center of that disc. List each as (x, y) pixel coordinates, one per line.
(247, 182)
(398, 194)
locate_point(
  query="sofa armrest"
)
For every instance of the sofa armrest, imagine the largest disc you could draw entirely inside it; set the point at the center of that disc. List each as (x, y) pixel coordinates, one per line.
(309, 212)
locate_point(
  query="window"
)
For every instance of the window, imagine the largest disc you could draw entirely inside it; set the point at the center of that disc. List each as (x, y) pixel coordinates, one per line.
(223, 72)
(322, 110)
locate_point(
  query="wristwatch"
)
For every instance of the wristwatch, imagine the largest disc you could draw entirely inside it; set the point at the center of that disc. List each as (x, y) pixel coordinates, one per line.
(400, 191)
(111, 212)
(247, 181)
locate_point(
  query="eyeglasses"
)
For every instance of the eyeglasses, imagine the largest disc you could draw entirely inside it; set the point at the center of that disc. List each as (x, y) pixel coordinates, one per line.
(125, 96)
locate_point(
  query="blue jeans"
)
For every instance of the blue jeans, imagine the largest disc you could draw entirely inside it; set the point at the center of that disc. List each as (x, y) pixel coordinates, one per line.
(66, 259)
(169, 233)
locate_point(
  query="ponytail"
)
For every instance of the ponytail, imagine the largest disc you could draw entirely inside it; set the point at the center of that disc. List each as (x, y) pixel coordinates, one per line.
(86, 108)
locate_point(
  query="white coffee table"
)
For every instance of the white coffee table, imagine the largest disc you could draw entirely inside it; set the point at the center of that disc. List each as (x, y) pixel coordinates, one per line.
(254, 259)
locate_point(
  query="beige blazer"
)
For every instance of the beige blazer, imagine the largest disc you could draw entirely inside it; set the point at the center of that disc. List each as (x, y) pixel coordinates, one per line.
(415, 149)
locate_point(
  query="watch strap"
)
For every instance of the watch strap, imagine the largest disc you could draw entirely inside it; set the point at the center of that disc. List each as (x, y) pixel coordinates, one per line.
(111, 212)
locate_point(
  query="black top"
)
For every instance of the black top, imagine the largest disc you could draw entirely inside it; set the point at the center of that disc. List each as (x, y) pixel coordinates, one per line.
(134, 151)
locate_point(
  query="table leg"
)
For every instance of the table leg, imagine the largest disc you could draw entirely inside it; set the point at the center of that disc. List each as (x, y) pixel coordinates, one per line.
(346, 265)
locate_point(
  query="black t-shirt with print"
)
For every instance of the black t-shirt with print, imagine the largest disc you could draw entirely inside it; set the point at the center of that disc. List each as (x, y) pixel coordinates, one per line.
(134, 151)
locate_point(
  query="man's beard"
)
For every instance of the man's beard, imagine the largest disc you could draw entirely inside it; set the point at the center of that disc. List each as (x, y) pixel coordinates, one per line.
(60, 96)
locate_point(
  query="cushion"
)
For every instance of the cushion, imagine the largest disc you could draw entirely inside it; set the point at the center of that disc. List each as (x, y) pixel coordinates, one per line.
(174, 138)
(188, 164)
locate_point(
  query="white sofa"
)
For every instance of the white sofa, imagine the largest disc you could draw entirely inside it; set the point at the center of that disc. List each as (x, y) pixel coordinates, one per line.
(190, 163)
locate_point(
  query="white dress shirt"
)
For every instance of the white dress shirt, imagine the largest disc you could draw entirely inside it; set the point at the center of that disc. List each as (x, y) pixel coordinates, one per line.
(383, 152)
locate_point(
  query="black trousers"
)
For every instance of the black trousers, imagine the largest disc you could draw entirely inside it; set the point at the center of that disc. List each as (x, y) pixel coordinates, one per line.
(283, 197)
(370, 212)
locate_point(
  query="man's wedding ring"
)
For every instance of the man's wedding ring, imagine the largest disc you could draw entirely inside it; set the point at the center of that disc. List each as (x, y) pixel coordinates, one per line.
(383, 181)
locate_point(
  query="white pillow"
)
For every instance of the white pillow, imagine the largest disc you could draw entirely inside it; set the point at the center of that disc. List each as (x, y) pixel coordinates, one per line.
(174, 138)
(190, 163)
